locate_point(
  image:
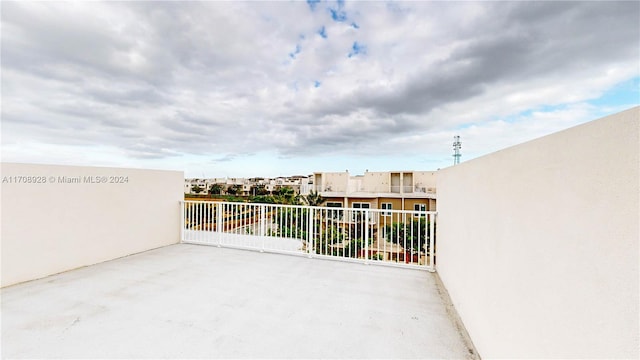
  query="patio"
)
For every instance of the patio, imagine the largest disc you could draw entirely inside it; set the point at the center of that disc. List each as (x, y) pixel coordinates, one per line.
(192, 301)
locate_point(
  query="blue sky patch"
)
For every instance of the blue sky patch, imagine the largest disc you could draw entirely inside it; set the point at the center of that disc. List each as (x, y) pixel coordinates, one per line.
(316, 84)
(355, 26)
(624, 93)
(312, 4)
(338, 15)
(529, 112)
(323, 32)
(357, 49)
(295, 52)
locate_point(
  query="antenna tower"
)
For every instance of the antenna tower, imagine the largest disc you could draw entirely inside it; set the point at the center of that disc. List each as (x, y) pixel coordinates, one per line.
(457, 145)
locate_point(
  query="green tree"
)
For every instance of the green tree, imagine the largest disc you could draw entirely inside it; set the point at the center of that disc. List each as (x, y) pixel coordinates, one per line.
(259, 190)
(356, 234)
(197, 189)
(313, 199)
(234, 189)
(330, 235)
(216, 189)
(412, 236)
(263, 199)
(291, 222)
(286, 195)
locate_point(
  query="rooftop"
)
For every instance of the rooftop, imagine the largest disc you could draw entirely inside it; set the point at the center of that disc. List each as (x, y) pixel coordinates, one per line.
(538, 251)
(193, 301)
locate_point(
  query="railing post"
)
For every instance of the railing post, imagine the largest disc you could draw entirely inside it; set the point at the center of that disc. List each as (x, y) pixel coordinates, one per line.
(310, 223)
(219, 221)
(431, 258)
(182, 220)
(366, 236)
(262, 223)
(199, 221)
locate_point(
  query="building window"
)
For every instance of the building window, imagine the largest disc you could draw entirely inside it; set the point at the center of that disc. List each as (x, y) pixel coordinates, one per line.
(361, 205)
(419, 207)
(386, 206)
(358, 215)
(334, 213)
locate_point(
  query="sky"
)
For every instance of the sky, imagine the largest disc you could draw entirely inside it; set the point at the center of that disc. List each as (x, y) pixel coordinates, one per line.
(242, 89)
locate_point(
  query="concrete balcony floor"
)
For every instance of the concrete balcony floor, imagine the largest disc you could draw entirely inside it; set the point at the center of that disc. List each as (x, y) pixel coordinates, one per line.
(190, 301)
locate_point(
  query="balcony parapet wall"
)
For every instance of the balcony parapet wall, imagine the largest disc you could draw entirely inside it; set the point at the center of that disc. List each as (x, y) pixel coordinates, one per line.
(57, 218)
(538, 243)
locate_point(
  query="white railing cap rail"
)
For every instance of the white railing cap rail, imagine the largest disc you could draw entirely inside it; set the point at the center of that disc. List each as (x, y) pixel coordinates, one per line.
(311, 207)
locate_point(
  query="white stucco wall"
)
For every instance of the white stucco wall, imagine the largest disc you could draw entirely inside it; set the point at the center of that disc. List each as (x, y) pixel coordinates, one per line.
(54, 226)
(337, 181)
(538, 243)
(376, 182)
(426, 179)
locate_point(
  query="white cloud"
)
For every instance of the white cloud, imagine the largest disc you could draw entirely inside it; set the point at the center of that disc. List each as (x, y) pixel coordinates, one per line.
(146, 82)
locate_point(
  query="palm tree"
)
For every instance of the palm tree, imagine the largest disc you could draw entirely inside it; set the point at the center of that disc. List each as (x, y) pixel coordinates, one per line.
(313, 199)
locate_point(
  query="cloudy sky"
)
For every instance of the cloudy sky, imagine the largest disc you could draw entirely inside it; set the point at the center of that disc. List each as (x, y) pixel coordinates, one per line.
(282, 88)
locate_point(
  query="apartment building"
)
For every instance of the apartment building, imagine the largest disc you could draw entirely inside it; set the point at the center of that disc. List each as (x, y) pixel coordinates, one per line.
(190, 184)
(389, 190)
(250, 186)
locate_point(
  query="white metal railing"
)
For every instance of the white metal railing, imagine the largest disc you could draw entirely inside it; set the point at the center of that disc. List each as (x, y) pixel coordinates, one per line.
(397, 237)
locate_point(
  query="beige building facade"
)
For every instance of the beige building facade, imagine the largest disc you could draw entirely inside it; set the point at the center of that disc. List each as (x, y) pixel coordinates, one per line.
(390, 190)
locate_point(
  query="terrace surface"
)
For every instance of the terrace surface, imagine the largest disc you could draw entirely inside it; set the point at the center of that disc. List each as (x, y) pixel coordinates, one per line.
(191, 301)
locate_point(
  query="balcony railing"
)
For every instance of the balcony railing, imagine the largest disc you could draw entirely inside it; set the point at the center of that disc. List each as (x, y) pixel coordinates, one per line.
(407, 189)
(397, 237)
